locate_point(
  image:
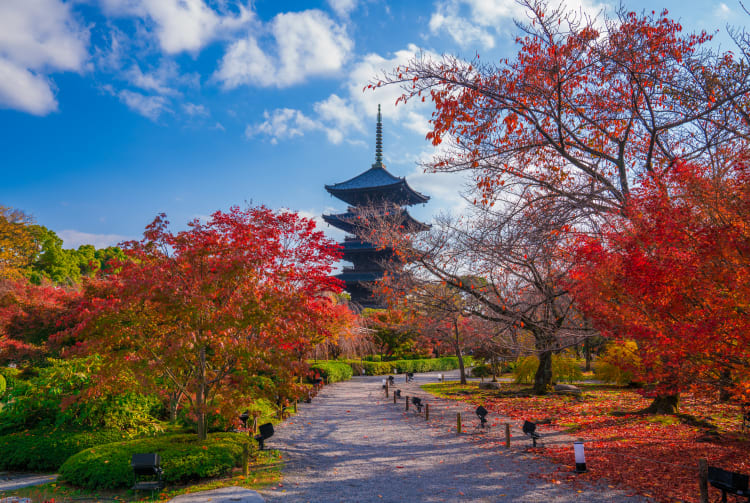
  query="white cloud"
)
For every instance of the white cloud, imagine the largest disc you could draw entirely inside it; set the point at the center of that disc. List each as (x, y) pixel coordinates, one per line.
(245, 63)
(338, 111)
(283, 123)
(413, 115)
(195, 110)
(74, 239)
(148, 106)
(154, 82)
(306, 44)
(183, 25)
(723, 11)
(339, 117)
(463, 32)
(471, 22)
(343, 7)
(22, 90)
(37, 38)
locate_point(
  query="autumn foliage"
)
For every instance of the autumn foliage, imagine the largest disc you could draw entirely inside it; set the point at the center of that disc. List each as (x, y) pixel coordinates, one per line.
(216, 315)
(29, 315)
(673, 275)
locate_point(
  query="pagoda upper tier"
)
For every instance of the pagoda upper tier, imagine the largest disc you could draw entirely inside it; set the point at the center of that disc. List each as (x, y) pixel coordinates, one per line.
(375, 185)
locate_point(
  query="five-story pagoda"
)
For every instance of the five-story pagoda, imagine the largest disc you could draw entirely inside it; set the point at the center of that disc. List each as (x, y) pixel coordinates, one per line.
(375, 188)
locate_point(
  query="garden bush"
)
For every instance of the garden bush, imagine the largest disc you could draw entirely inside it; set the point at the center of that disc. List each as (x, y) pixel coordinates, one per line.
(564, 368)
(482, 370)
(525, 369)
(39, 402)
(617, 362)
(46, 449)
(332, 371)
(184, 458)
(2, 385)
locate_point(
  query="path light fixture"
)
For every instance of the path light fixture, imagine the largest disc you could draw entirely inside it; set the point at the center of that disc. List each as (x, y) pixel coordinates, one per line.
(440, 377)
(384, 381)
(265, 432)
(580, 457)
(244, 417)
(529, 429)
(482, 415)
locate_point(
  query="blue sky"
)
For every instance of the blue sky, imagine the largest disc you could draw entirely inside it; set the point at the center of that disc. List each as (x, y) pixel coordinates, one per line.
(112, 111)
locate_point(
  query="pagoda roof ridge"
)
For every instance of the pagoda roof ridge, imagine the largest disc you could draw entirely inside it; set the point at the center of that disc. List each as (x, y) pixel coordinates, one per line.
(376, 176)
(374, 179)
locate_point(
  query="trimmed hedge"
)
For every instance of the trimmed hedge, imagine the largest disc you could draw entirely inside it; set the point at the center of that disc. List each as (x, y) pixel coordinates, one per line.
(332, 371)
(46, 449)
(184, 458)
(423, 365)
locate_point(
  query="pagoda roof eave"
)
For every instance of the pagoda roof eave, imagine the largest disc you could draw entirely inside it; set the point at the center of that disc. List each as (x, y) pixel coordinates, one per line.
(345, 222)
(374, 180)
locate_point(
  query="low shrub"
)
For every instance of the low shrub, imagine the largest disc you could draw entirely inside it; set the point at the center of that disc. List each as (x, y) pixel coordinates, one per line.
(617, 363)
(184, 458)
(507, 367)
(564, 368)
(525, 369)
(39, 401)
(332, 371)
(482, 370)
(46, 449)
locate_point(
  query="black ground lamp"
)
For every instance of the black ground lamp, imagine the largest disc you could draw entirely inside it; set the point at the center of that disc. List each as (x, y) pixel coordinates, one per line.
(482, 415)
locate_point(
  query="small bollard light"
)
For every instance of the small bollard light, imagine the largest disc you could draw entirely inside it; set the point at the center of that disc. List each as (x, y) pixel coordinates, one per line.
(580, 457)
(440, 377)
(384, 383)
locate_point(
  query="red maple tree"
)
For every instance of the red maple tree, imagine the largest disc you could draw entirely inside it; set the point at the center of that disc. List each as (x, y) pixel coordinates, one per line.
(674, 275)
(29, 315)
(216, 314)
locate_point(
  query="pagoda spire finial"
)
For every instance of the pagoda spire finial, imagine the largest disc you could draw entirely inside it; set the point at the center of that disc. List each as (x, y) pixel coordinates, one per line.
(379, 141)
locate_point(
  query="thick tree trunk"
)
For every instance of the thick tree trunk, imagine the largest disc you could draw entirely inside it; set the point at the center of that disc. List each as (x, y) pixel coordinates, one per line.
(663, 404)
(543, 377)
(200, 396)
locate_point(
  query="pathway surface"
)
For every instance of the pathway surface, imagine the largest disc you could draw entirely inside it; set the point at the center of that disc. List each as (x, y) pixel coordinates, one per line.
(11, 481)
(351, 444)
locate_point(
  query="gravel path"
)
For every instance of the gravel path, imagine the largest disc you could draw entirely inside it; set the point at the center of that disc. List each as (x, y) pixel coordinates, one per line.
(353, 445)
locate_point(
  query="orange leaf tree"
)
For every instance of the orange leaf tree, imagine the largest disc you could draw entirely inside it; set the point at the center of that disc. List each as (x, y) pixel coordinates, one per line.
(675, 277)
(216, 314)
